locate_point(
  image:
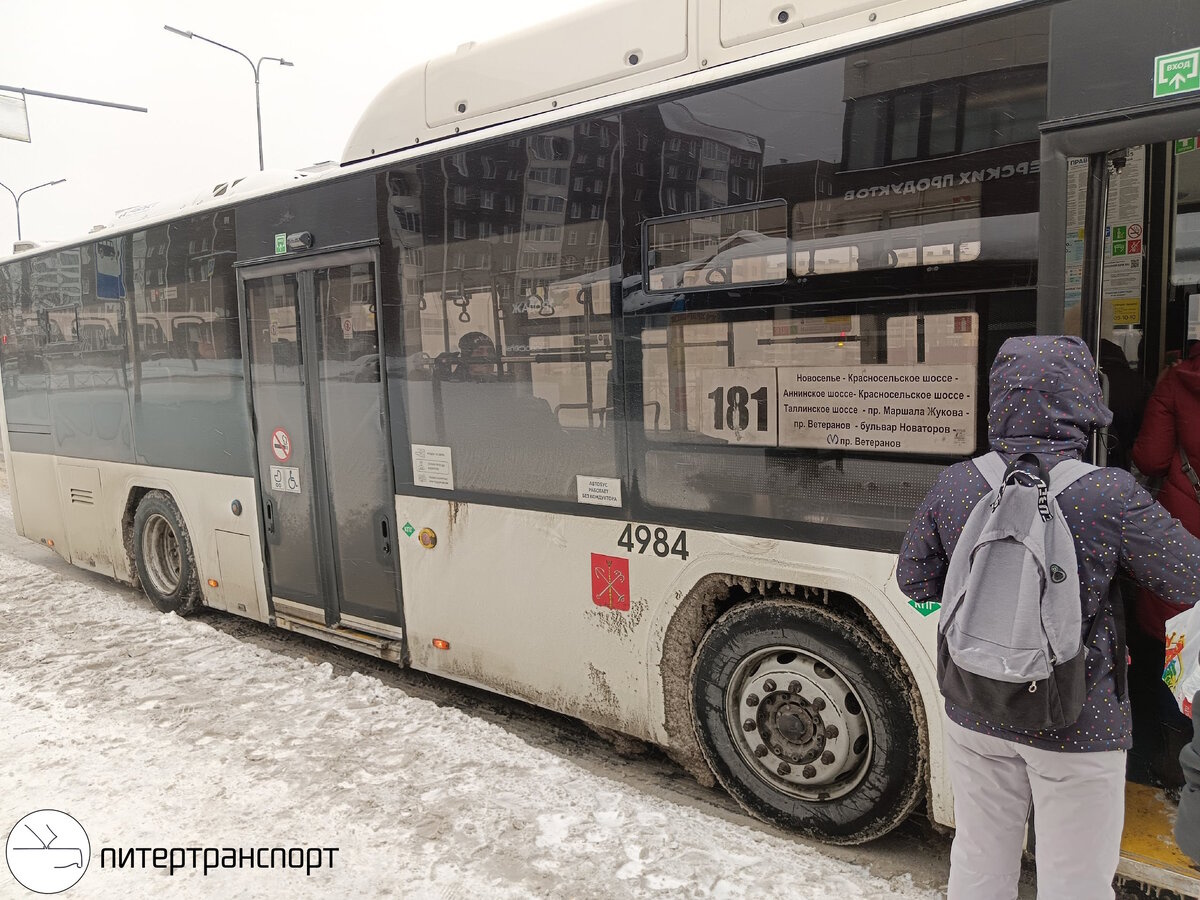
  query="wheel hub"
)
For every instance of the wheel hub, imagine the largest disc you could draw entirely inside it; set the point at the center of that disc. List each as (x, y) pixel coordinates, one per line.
(789, 725)
(160, 545)
(798, 723)
(795, 724)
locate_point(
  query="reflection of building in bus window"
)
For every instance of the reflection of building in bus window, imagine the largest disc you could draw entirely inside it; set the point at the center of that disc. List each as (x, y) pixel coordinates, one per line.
(502, 258)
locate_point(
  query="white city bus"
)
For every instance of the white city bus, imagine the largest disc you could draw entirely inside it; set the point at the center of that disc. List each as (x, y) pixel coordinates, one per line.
(612, 383)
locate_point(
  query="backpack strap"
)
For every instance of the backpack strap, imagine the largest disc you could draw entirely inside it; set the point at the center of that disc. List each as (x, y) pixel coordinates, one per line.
(1062, 476)
(991, 466)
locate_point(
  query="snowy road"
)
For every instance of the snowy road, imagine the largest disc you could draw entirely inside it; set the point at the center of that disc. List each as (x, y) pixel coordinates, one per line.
(155, 731)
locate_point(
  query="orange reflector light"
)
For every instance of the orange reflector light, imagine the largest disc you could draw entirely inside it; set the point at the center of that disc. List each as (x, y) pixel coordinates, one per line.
(212, 582)
(50, 543)
(439, 644)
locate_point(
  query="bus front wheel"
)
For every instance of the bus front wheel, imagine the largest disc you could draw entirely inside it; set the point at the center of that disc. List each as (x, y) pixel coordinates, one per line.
(806, 720)
(163, 555)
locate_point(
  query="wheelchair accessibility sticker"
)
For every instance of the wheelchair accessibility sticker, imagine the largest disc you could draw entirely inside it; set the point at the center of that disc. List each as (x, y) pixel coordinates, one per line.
(285, 479)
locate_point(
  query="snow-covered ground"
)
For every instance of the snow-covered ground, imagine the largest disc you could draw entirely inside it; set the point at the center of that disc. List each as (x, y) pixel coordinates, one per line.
(154, 731)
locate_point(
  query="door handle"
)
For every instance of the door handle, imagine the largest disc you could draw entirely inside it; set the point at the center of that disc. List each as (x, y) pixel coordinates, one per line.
(269, 515)
(385, 536)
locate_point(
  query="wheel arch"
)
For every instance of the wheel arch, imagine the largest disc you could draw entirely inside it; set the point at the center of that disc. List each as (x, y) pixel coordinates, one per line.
(134, 495)
(712, 594)
(135, 490)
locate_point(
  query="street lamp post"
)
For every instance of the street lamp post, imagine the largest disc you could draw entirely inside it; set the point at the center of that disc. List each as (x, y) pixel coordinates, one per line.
(256, 66)
(17, 197)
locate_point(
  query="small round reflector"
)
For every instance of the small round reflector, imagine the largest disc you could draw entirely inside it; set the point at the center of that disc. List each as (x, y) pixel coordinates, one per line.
(212, 582)
(439, 644)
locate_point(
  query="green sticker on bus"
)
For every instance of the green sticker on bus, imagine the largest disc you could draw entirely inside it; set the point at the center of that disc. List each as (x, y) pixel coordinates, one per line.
(925, 607)
(408, 528)
(1177, 73)
(281, 243)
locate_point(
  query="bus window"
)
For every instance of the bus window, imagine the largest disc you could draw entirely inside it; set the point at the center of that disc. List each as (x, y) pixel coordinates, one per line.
(1185, 254)
(785, 414)
(87, 369)
(187, 369)
(910, 168)
(507, 323)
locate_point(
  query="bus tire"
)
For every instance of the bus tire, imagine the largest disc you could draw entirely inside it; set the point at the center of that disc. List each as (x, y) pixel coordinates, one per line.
(163, 555)
(805, 720)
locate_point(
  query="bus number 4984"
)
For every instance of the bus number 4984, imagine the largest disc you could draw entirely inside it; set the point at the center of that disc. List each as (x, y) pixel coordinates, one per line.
(658, 541)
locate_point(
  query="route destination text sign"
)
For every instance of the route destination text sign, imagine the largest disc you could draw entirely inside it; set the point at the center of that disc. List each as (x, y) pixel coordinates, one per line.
(876, 408)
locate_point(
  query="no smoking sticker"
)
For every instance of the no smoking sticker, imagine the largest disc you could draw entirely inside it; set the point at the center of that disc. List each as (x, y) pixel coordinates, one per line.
(281, 445)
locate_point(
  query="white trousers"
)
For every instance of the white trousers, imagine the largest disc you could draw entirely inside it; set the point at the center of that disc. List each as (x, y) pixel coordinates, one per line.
(1079, 803)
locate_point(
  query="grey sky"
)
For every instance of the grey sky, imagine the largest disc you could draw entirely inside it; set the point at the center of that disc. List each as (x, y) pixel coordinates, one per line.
(200, 129)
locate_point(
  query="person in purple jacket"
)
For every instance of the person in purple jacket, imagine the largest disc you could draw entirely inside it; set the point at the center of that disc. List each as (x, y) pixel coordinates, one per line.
(1045, 399)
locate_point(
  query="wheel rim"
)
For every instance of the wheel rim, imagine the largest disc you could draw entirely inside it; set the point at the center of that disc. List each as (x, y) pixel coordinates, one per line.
(160, 549)
(798, 723)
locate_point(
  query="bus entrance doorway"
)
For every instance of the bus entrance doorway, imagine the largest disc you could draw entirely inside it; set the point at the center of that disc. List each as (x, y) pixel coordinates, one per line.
(322, 446)
(1132, 289)
(1146, 278)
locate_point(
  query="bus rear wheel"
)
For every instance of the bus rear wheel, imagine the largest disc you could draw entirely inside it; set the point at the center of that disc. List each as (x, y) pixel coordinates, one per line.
(805, 720)
(163, 555)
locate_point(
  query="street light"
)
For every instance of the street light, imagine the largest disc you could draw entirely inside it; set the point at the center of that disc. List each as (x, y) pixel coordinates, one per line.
(17, 197)
(253, 65)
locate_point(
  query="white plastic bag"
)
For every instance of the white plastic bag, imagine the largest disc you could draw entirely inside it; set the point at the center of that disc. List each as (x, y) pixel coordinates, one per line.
(1182, 670)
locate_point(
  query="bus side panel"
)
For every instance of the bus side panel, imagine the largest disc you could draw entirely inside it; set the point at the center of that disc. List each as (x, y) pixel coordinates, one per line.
(553, 609)
(206, 501)
(511, 591)
(34, 489)
(81, 506)
(89, 535)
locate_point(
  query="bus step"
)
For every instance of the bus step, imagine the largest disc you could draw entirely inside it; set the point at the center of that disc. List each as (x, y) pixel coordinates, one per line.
(1148, 852)
(343, 637)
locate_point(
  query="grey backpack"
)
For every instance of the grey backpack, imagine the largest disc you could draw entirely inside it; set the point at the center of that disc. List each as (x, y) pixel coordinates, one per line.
(1010, 648)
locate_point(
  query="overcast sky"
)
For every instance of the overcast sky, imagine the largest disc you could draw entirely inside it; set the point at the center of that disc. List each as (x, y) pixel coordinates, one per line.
(200, 127)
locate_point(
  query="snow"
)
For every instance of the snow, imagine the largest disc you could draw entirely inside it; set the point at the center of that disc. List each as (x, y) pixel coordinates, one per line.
(156, 731)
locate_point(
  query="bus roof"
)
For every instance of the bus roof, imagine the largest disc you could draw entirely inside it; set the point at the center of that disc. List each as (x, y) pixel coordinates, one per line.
(612, 47)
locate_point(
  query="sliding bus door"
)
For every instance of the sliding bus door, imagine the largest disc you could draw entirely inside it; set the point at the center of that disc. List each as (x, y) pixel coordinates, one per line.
(324, 459)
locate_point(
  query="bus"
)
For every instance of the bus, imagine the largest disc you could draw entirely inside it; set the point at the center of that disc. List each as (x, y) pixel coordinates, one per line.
(611, 384)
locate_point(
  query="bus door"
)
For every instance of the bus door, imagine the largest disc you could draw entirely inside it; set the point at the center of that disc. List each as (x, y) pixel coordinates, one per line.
(323, 449)
(1120, 263)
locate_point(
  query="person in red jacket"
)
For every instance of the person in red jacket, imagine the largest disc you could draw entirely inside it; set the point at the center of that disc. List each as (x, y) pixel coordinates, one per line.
(1171, 422)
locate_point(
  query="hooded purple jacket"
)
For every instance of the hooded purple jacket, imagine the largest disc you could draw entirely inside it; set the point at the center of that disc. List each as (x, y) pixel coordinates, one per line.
(1046, 399)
